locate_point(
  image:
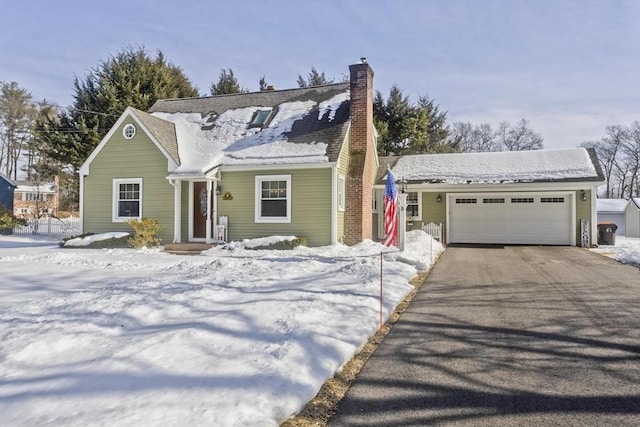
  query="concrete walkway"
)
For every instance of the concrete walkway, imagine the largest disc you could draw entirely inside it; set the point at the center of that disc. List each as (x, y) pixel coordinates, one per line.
(509, 336)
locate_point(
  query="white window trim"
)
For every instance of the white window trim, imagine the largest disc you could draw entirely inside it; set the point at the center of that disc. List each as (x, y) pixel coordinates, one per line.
(124, 131)
(340, 193)
(115, 195)
(258, 199)
(419, 216)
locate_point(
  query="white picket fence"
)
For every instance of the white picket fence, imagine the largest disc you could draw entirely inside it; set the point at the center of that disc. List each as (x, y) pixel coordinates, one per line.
(52, 227)
(434, 230)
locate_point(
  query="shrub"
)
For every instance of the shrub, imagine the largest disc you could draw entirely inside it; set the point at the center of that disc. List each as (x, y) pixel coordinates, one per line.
(284, 245)
(8, 221)
(146, 232)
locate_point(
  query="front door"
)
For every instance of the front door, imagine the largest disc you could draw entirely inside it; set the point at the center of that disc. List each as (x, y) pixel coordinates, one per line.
(199, 210)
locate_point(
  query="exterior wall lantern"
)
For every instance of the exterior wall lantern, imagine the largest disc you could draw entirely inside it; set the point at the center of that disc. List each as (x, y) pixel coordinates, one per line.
(403, 185)
(439, 198)
(218, 189)
(583, 195)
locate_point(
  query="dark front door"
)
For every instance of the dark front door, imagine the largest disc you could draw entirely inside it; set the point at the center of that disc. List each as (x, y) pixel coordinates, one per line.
(200, 210)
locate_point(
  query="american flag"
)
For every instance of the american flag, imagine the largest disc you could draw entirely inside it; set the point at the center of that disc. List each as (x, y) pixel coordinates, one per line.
(391, 211)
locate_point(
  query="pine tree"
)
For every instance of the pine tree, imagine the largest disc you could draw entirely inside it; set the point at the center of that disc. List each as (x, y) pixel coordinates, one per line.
(227, 84)
(314, 78)
(404, 128)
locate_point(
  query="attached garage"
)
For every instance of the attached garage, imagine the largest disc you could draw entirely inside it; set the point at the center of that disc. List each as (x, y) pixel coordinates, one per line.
(512, 218)
(539, 197)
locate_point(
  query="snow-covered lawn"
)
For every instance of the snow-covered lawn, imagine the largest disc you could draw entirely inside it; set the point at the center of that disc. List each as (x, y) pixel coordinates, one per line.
(626, 250)
(234, 337)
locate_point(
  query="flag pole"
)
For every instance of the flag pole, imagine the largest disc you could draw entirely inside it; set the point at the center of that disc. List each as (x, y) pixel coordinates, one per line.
(381, 297)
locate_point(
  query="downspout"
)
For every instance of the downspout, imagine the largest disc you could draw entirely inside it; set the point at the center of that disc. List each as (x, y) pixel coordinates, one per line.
(334, 204)
(81, 202)
(177, 210)
(594, 216)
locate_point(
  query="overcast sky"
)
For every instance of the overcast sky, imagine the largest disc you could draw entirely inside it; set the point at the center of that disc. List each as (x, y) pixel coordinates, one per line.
(569, 67)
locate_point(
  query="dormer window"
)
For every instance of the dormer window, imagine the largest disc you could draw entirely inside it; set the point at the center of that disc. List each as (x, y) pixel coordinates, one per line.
(260, 118)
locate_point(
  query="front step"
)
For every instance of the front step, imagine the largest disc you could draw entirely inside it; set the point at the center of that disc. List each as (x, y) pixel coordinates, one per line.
(186, 248)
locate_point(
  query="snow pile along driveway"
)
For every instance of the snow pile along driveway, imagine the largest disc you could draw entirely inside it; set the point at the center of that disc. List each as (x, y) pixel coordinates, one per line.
(626, 250)
(230, 338)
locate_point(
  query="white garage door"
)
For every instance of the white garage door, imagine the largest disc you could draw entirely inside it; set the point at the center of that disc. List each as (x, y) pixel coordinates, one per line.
(511, 218)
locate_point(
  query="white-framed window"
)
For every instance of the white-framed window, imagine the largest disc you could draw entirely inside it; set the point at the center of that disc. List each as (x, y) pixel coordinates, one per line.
(340, 193)
(414, 205)
(129, 131)
(273, 198)
(127, 199)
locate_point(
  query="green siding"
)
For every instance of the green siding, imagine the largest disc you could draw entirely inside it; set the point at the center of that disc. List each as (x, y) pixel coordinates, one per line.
(121, 158)
(583, 210)
(432, 211)
(343, 169)
(310, 205)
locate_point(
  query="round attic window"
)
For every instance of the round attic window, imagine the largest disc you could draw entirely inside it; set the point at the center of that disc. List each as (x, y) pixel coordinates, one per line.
(129, 131)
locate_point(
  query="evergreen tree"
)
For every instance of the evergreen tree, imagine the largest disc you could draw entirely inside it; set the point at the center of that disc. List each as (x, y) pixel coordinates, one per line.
(227, 84)
(314, 78)
(263, 84)
(404, 128)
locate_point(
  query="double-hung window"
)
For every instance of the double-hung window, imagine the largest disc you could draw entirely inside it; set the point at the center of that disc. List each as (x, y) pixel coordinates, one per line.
(413, 205)
(273, 198)
(127, 199)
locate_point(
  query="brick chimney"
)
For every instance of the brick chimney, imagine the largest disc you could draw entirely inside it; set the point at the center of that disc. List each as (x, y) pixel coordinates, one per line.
(358, 217)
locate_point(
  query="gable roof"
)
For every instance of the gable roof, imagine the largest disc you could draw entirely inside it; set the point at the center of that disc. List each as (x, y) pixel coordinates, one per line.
(635, 201)
(163, 131)
(560, 165)
(611, 205)
(11, 183)
(306, 125)
(159, 133)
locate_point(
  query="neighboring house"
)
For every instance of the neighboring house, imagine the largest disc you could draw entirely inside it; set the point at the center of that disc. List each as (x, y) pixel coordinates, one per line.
(632, 217)
(613, 210)
(288, 162)
(36, 199)
(7, 188)
(519, 197)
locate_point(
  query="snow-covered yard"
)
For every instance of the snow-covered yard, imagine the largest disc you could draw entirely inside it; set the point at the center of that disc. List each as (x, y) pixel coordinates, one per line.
(234, 337)
(626, 250)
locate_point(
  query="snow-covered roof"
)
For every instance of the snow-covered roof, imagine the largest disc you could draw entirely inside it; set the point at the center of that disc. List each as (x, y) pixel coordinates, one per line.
(611, 205)
(571, 164)
(306, 125)
(636, 200)
(23, 186)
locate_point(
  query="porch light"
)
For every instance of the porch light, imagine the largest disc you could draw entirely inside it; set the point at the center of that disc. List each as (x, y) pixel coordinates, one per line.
(439, 198)
(218, 189)
(403, 185)
(583, 195)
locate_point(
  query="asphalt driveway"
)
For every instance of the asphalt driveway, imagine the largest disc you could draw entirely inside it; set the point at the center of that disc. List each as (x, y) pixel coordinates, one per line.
(509, 336)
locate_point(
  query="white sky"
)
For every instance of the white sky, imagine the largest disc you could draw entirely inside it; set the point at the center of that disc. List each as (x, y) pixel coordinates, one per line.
(570, 67)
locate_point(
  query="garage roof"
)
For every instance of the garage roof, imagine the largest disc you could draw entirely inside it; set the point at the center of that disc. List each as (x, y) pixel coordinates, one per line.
(559, 165)
(611, 205)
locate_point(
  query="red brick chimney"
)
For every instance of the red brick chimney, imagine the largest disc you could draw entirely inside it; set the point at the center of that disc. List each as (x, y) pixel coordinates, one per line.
(358, 217)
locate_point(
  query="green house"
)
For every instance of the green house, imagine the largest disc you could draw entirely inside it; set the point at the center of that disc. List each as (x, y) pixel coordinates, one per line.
(277, 162)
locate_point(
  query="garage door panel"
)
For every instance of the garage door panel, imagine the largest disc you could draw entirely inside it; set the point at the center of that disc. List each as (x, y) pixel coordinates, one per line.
(513, 218)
